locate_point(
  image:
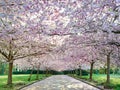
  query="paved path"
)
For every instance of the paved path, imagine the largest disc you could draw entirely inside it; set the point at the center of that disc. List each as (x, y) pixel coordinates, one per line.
(60, 82)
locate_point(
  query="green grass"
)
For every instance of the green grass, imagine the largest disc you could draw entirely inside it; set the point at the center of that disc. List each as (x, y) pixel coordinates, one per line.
(100, 79)
(18, 81)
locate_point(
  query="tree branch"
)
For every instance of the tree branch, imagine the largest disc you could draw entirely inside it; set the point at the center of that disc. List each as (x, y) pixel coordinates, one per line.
(32, 54)
(4, 54)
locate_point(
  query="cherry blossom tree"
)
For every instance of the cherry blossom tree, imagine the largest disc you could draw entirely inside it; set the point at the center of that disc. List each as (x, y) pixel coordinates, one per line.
(23, 23)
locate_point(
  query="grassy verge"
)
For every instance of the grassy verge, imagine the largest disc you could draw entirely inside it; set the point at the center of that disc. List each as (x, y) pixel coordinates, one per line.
(99, 79)
(18, 81)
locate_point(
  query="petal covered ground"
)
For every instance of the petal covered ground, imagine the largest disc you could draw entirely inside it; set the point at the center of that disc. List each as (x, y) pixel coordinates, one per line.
(60, 82)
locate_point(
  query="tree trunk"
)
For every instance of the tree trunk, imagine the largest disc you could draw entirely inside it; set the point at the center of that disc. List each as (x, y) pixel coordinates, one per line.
(91, 70)
(30, 75)
(9, 81)
(37, 75)
(108, 69)
(3, 68)
(105, 71)
(80, 71)
(76, 71)
(73, 72)
(46, 72)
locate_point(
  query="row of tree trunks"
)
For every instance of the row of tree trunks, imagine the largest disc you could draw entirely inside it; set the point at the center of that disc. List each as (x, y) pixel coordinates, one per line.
(37, 76)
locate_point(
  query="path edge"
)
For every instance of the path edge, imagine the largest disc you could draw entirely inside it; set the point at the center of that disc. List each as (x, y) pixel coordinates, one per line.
(31, 83)
(87, 83)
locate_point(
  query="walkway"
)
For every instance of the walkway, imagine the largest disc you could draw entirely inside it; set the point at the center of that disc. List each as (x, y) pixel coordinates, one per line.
(60, 82)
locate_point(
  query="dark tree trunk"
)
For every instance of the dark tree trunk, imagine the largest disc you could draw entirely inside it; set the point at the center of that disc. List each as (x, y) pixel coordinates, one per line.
(91, 70)
(10, 60)
(76, 71)
(105, 71)
(37, 75)
(46, 72)
(30, 75)
(9, 81)
(108, 69)
(3, 69)
(80, 70)
(73, 72)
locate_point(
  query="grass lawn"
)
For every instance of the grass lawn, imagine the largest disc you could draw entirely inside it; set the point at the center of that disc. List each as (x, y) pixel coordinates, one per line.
(18, 81)
(100, 79)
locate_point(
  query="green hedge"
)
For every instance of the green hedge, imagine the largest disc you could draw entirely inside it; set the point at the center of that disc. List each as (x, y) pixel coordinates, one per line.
(77, 71)
(50, 72)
